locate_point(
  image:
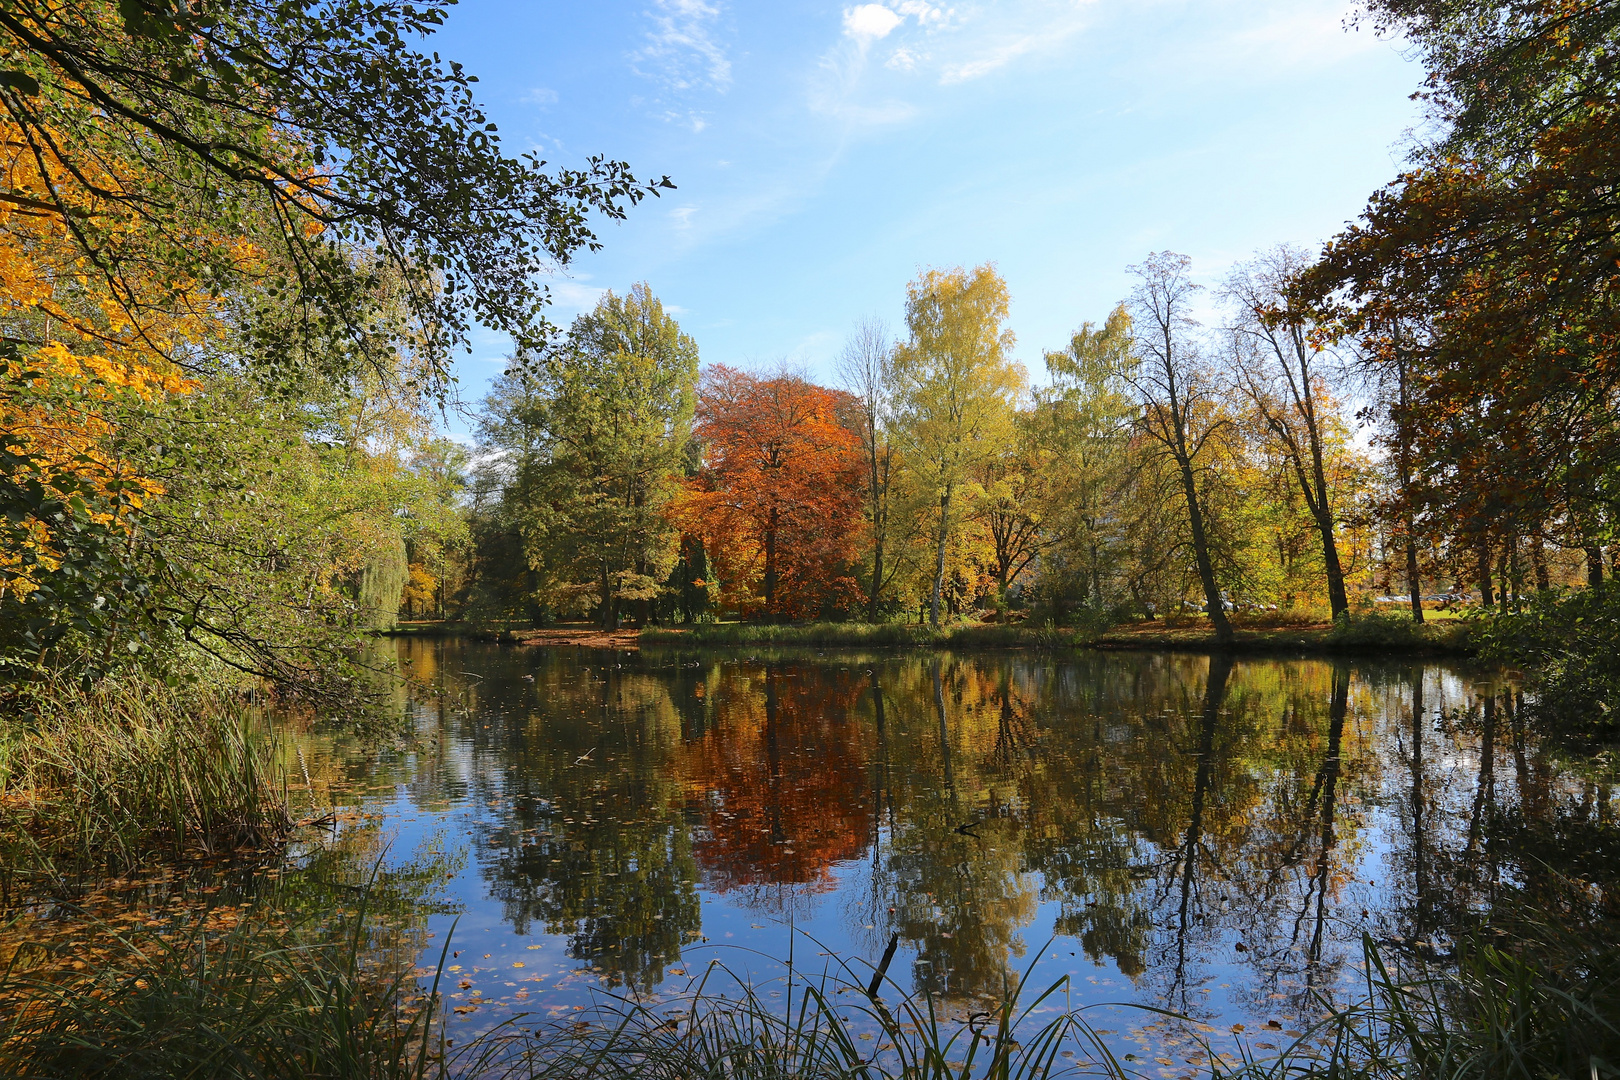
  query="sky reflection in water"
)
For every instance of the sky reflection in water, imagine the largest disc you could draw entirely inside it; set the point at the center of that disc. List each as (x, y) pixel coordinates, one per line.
(1199, 834)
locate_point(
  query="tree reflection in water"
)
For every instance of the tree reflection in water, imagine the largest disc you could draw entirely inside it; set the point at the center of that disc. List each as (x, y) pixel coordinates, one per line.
(1193, 824)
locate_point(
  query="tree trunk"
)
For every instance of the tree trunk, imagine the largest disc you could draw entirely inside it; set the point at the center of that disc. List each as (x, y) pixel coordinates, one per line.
(1096, 578)
(1502, 578)
(1484, 552)
(1594, 565)
(1206, 568)
(770, 564)
(877, 579)
(1538, 559)
(1338, 599)
(939, 560)
(1413, 583)
(607, 598)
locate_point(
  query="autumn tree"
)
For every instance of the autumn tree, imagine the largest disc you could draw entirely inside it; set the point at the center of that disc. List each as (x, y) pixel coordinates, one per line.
(314, 129)
(291, 196)
(1482, 272)
(956, 391)
(866, 368)
(1175, 388)
(778, 498)
(1018, 500)
(593, 439)
(1281, 368)
(1087, 411)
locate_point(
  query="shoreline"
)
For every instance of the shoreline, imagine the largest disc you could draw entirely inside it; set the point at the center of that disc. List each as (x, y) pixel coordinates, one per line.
(1373, 637)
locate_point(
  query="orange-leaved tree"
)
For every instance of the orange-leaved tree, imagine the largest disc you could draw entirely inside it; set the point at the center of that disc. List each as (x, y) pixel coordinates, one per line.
(777, 501)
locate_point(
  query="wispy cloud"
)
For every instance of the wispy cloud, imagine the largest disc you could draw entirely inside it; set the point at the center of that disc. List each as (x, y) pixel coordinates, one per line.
(681, 51)
(573, 295)
(1303, 34)
(948, 44)
(541, 96)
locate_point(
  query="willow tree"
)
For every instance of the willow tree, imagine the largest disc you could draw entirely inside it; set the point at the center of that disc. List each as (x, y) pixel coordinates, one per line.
(956, 390)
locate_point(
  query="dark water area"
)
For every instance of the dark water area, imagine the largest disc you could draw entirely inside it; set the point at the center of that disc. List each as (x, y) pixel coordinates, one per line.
(1204, 835)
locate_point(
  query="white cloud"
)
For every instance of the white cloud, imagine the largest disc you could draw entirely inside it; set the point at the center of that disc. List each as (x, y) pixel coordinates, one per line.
(683, 216)
(924, 12)
(540, 95)
(681, 50)
(571, 295)
(902, 60)
(869, 22)
(997, 56)
(963, 42)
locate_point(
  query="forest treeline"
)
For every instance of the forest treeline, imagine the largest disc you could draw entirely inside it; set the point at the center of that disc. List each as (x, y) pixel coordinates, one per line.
(240, 245)
(1265, 461)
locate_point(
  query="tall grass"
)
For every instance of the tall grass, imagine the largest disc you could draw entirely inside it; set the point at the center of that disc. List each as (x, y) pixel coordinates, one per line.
(256, 1001)
(834, 1026)
(102, 779)
(1495, 1014)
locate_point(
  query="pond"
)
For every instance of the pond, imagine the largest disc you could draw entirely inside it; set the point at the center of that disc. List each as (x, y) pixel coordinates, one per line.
(1206, 835)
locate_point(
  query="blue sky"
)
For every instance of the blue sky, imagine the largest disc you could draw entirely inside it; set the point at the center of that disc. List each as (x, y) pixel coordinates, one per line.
(826, 152)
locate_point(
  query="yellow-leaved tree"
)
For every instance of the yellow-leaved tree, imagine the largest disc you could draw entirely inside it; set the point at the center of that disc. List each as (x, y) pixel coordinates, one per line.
(956, 393)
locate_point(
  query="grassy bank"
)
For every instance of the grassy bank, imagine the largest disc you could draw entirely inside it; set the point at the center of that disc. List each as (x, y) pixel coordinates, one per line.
(866, 635)
(101, 780)
(212, 998)
(1357, 635)
(1265, 634)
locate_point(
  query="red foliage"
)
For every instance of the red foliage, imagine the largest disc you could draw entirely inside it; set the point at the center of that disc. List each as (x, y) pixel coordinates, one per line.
(781, 783)
(778, 501)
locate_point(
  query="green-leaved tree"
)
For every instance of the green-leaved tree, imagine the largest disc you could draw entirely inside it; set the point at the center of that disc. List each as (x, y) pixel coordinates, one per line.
(592, 438)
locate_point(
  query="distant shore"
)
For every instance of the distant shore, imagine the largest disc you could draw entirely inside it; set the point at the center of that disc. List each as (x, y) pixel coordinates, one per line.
(1368, 635)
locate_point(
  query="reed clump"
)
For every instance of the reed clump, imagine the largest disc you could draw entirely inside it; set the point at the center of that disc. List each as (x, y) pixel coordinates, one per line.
(260, 999)
(102, 779)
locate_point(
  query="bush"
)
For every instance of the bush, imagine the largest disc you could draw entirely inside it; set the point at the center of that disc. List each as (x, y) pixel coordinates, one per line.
(1568, 643)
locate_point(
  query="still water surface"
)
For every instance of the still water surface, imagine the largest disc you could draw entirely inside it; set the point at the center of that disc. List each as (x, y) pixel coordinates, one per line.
(1205, 835)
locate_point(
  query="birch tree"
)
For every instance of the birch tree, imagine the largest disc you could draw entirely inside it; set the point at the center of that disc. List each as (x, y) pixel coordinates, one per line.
(956, 391)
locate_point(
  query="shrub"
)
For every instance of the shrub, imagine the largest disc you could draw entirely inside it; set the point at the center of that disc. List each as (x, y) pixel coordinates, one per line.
(1568, 644)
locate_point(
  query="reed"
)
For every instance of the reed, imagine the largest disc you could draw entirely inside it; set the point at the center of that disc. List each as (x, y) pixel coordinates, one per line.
(100, 780)
(259, 1000)
(1492, 1015)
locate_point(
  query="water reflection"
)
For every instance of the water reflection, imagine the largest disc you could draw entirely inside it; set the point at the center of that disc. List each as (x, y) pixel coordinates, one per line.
(1210, 835)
